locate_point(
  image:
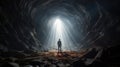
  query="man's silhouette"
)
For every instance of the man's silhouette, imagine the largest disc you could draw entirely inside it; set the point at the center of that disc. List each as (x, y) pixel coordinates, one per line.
(59, 46)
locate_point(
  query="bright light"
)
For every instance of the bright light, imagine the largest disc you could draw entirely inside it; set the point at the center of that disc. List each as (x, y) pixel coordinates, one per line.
(58, 25)
(60, 28)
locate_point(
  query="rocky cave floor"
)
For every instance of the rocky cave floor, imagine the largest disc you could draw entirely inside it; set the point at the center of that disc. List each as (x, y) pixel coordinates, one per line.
(51, 59)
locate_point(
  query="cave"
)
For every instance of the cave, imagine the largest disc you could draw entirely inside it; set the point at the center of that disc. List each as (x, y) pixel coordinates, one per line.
(88, 31)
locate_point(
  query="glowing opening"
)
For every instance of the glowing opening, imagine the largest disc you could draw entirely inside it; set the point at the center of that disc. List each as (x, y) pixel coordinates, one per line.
(58, 26)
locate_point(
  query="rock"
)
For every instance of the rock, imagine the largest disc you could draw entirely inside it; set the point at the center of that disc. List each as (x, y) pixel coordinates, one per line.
(28, 66)
(78, 63)
(36, 63)
(10, 64)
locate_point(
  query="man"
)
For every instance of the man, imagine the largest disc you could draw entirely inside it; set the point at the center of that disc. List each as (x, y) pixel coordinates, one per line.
(59, 46)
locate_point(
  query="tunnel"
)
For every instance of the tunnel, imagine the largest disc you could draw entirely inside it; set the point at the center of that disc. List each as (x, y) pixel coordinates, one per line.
(31, 27)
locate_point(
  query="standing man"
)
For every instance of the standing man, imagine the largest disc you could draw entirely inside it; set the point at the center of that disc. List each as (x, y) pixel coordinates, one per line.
(59, 46)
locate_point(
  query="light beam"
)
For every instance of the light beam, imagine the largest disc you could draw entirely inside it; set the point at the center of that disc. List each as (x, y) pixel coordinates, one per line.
(58, 26)
(60, 29)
